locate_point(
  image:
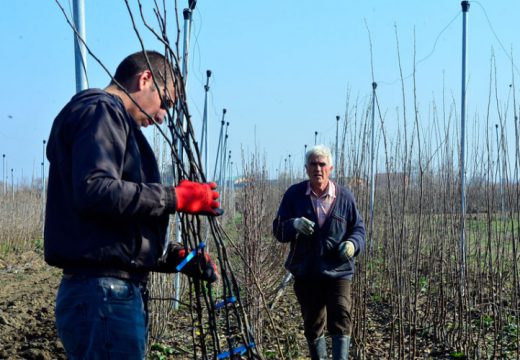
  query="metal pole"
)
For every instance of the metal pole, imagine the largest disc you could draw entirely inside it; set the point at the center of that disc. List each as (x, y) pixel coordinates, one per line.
(304, 162)
(336, 152)
(232, 192)
(504, 168)
(225, 180)
(222, 122)
(204, 132)
(187, 31)
(465, 8)
(224, 174)
(290, 168)
(12, 183)
(184, 69)
(43, 187)
(285, 178)
(372, 166)
(315, 137)
(223, 157)
(4, 185)
(500, 173)
(80, 51)
(183, 124)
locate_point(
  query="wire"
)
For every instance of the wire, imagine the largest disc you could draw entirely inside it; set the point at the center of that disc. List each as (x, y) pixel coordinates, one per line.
(496, 36)
(199, 74)
(423, 59)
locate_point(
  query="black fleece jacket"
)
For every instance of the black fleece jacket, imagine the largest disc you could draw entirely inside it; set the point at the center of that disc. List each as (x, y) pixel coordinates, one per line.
(106, 211)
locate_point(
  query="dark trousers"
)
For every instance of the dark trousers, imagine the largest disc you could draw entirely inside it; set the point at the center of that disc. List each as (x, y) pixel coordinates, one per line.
(324, 301)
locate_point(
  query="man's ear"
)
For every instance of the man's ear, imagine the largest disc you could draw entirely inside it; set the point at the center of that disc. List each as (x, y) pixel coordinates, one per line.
(145, 79)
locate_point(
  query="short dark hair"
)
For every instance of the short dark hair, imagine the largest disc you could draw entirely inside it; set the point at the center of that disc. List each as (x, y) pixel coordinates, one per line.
(137, 63)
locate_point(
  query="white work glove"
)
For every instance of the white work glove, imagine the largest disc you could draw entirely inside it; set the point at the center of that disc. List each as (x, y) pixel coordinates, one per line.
(304, 226)
(346, 250)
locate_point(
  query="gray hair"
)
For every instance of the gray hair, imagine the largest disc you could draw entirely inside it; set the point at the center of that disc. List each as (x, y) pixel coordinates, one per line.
(318, 150)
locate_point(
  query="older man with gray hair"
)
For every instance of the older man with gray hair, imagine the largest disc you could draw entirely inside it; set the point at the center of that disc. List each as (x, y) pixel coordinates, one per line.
(320, 220)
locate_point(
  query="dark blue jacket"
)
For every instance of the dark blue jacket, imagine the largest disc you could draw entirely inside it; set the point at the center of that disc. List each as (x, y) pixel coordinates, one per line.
(107, 211)
(318, 255)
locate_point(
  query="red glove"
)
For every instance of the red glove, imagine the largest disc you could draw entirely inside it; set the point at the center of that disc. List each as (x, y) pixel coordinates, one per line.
(197, 198)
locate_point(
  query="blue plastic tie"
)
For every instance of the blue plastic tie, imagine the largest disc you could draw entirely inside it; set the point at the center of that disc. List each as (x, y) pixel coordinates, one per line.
(190, 256)
(229, 300)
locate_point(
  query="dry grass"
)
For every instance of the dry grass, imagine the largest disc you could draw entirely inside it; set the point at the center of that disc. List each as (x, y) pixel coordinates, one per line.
(20, 220)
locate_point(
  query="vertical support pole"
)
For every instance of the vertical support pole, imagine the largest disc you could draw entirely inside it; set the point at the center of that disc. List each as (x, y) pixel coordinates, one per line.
(183, 125)
(304, 158)
(222, 122)
(372, 167)
(4, 182)
(43, 187)
(80, 51)
(500, 173)
(222, 176)
(225, 179)
(223, 165)
(336, 154)
(285, 177)
(184, 70)
(232, 185)
(315, 137)
(462, 244)
(186, 43)
(223, 157)
(204, 132)
(290, 169)
(504, 169)
(12, 183)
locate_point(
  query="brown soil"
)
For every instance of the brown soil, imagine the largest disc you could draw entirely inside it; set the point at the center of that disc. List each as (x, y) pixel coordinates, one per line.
(27, 294)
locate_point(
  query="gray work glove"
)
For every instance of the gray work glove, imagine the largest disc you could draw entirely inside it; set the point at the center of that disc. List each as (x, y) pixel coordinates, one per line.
(304, 226)
(347, 250)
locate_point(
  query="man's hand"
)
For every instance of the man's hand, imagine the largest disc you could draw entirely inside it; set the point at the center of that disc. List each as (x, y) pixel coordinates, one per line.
(304, 226)
(197, 198)
(347, 249)
(201, 267)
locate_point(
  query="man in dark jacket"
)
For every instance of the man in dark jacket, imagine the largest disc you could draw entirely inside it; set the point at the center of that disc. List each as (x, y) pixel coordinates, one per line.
(107, 212)
(325, 230)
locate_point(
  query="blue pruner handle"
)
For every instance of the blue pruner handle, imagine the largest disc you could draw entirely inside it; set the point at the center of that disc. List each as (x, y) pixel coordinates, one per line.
(190, 256)
(241, 350)
(222, 303)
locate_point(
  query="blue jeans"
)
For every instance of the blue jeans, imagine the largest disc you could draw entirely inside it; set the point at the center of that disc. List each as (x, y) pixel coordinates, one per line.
(101, 318)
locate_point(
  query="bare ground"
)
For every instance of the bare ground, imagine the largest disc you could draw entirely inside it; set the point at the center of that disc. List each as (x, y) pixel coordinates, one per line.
(27, 294)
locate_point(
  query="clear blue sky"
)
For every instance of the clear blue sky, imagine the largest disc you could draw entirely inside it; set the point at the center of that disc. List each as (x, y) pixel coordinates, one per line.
(281, 68)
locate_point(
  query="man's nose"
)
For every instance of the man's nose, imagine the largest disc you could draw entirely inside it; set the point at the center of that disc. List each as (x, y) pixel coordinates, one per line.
(159, 117)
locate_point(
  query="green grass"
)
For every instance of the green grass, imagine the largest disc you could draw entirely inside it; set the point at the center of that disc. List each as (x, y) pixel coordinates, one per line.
(479, 224)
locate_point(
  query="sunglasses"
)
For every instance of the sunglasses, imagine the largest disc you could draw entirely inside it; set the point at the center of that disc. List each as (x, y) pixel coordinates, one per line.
(168, 101)
(166, 104)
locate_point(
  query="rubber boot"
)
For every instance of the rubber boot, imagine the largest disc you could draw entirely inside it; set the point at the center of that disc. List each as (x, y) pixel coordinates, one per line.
(340, 346)
(318, 349)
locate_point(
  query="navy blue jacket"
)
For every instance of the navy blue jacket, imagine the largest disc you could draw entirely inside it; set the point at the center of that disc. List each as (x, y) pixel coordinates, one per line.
(317, 255)
(107, 212)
